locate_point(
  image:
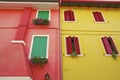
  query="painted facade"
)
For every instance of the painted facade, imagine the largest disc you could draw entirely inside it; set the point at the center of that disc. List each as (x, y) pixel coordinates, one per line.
(17, 33)
(94, 62)
(81, 41)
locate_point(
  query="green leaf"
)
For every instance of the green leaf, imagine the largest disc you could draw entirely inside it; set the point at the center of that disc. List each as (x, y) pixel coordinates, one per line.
(74, 54)
(114, 55)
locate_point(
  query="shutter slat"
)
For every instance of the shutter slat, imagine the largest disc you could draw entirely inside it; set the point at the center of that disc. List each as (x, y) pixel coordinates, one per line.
(69, 45)
(106, 45)
(77, 47)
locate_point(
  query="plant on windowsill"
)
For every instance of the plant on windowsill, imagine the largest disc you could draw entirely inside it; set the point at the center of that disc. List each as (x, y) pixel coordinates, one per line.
(74, 54)
(40, 21)
(114, 55)
(39, 60)
(43, 61)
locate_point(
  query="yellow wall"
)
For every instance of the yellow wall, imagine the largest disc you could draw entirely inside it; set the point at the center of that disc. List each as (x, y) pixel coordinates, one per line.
(85, 19)
(94, 65)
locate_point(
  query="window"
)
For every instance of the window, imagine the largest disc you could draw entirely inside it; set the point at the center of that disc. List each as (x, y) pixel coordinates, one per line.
(39, 46)
(69, 15)
(43, 14)
(98, 16)
(109, 45)
(72, 45)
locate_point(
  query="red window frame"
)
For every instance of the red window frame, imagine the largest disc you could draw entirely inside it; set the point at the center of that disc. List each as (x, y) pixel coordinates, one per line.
(109, 45)
(72, 45)
(98, 16)
(69, 15)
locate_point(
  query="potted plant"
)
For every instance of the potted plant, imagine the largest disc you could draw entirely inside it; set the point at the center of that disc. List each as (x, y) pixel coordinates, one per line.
(34, 60)
(73, 54)
(40, 21)
(43, 61)
(114, 55)
(39, 60)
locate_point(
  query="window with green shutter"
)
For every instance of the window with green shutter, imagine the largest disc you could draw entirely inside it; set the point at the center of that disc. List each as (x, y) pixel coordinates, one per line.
(43, 14)
(39, 46)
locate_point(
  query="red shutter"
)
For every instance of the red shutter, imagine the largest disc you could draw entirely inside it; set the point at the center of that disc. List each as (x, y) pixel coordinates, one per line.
(66, 16)
(113, 45)
(72, 18)
(106, 45)
(76, 43)
(96, 16)
(100, 17)
(69, 45)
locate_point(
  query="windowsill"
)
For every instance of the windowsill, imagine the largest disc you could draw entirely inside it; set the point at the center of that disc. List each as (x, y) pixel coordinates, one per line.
(76, 56)
(18, 42)
(111, 55)
(70, 21)
(100, 22)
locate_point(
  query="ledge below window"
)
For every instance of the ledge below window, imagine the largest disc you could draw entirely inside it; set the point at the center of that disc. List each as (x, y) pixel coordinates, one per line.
(18, 42)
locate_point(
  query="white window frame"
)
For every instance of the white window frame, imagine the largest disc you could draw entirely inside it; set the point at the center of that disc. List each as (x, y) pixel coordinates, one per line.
(66, 47)
(33, 36)
(15, 78)
(44, 10)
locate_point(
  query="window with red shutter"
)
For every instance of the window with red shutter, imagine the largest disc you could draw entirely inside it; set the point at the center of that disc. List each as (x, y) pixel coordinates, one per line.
(72, 45)
(98, 16)
(109, 45)
(69, 15)
(106, 45)
(66, 16)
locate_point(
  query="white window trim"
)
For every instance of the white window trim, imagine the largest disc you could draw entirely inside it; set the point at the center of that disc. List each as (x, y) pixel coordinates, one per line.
(15, 78)
(18, 42)
(43, 10)
(29, 57)
(99, 21)
(70, 21)
(111, 54)
(66, 47)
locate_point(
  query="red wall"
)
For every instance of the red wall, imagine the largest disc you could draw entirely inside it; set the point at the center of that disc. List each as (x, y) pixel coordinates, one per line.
(10, 22)
(10, 17)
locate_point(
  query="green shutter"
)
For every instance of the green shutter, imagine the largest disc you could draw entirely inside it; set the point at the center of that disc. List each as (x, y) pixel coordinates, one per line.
(43, 14)
(39, 47)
